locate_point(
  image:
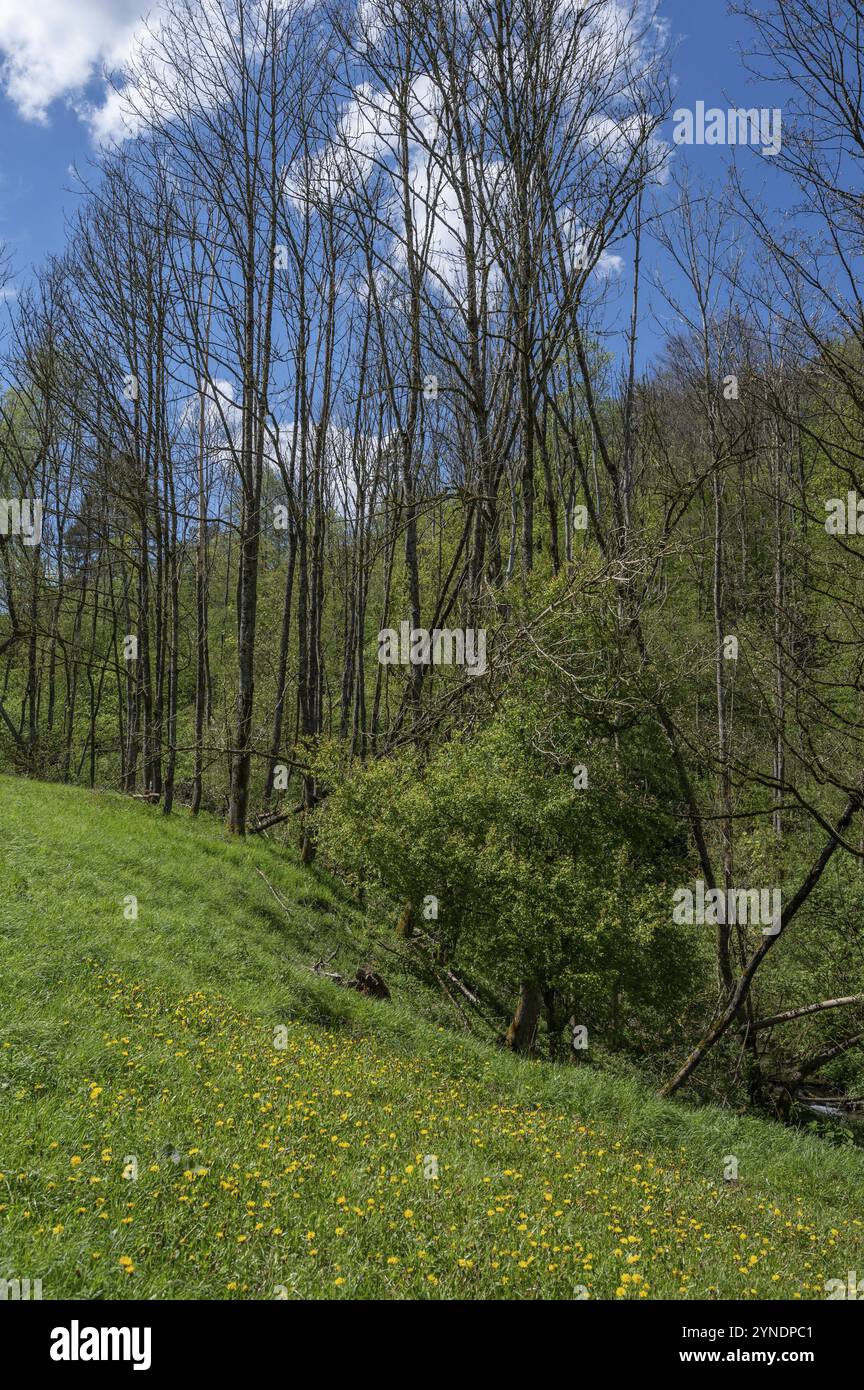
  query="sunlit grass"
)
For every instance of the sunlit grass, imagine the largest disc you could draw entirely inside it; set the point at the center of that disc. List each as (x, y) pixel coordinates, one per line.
(157, 1140)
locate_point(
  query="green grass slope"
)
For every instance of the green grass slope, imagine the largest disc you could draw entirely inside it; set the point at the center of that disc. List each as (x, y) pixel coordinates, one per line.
(186, 1111)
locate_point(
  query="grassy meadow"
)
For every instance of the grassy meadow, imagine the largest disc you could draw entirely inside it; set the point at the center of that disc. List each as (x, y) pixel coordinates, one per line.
(187, 1111)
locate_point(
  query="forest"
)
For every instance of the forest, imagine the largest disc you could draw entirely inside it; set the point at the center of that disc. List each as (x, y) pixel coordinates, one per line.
(413, 461)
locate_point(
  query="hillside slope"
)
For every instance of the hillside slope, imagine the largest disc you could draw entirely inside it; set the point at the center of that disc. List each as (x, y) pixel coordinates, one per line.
(186, 1111)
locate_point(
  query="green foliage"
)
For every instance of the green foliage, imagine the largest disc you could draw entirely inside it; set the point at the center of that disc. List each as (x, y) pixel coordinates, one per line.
(532, 878)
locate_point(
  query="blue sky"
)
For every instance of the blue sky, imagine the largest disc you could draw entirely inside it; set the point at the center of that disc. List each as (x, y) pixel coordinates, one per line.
(53, 52)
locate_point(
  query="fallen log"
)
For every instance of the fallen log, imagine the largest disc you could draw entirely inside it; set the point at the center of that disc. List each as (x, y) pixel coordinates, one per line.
(264, 821)
(366, 981)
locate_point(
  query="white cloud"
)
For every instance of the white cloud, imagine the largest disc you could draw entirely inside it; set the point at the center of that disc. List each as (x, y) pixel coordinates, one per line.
(51, 49)
(366, 134)
(113, 121)
(616, 48)
(80, 52)
(223, 415)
